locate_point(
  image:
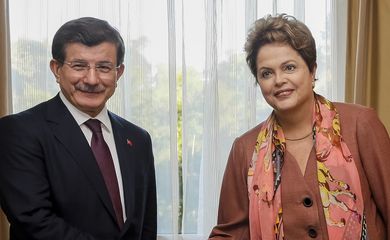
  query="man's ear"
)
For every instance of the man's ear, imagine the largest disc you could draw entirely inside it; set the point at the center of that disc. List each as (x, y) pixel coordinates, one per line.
(54, 67)
(120, 71)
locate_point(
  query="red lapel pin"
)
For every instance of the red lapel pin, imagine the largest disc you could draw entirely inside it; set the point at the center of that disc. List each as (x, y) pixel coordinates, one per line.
(130, 143)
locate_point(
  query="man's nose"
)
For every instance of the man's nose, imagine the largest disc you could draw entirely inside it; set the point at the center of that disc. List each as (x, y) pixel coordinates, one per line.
(91, 76)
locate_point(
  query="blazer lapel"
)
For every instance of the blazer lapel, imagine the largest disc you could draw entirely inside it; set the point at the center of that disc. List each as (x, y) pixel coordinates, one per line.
(125, 152)
(68, 132)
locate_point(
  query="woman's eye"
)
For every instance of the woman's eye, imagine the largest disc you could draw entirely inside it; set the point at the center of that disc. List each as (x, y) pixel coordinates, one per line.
(290, 67)
(265, 74)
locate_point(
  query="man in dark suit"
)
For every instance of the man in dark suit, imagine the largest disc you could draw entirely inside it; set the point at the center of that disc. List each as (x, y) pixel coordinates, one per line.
(65, 176)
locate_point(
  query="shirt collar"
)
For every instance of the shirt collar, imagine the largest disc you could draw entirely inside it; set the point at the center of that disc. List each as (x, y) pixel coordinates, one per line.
(81, 117)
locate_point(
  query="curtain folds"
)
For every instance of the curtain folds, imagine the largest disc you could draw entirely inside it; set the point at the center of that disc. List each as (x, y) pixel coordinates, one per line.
(5, 66)
(4, 86)
(173, 113)
(367, 71)
(359, 52)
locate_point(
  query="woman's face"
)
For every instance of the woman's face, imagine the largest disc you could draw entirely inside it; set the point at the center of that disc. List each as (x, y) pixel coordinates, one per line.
(284, 77)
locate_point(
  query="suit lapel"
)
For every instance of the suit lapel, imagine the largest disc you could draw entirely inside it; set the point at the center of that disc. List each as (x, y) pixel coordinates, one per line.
(68, 132)
(125, 152)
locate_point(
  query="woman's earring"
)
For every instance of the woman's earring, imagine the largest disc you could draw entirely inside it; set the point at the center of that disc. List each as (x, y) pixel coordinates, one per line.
(313, 83)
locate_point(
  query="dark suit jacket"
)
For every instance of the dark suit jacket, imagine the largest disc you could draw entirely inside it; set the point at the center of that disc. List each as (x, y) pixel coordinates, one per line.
(50, 184)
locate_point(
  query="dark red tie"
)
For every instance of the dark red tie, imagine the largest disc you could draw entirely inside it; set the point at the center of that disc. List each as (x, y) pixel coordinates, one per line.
(104, 159)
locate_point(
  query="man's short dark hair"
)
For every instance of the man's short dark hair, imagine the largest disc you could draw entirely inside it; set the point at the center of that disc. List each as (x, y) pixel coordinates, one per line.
(88, 31)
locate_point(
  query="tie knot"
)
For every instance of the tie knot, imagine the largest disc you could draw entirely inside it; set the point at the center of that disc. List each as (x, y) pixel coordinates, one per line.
(94, 125)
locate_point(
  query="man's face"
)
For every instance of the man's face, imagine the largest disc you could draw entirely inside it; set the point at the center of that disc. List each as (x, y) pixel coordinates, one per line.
(88, 77)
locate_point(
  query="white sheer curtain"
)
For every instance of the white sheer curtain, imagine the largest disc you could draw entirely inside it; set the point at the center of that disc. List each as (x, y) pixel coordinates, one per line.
(186, 82)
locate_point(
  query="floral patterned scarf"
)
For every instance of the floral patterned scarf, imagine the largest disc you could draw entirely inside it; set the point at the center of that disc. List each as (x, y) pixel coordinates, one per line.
(338, 178)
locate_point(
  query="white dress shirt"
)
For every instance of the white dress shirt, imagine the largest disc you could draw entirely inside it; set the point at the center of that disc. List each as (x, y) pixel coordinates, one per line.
(108, 135)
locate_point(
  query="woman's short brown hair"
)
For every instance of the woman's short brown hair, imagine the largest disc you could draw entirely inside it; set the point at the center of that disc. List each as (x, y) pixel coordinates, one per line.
(280, 29)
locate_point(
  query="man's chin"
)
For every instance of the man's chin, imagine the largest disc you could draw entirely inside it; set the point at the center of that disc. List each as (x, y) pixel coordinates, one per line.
(89, 105)
(93, 112)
